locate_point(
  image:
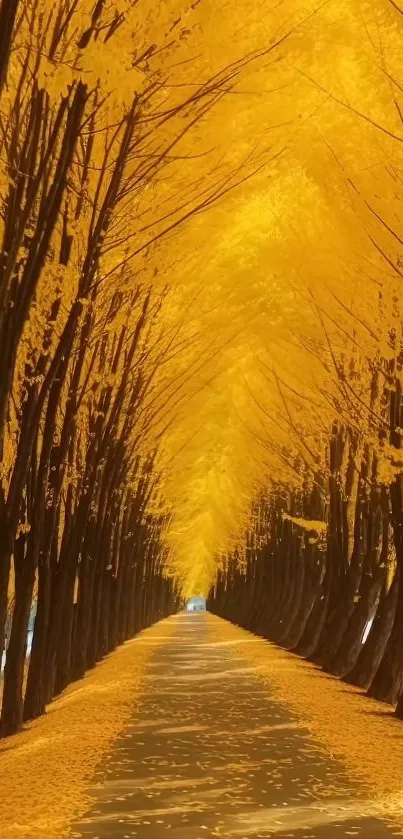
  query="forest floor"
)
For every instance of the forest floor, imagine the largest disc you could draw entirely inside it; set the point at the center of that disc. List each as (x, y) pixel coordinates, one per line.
(201, 729)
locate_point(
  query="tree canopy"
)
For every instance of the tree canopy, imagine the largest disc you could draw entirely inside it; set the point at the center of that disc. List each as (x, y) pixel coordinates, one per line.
(200, 303)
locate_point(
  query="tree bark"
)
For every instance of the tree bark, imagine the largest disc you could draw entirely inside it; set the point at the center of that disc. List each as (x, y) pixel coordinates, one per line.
(13, 702)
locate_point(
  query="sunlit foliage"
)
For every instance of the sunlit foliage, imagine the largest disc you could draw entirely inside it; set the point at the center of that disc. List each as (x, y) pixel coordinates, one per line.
(200, 269)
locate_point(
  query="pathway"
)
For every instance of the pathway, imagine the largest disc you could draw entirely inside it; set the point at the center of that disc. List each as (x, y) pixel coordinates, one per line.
(210, 753)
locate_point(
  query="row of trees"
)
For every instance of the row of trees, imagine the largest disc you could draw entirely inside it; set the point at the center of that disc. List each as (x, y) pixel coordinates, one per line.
(307, 271)
(316, 564)
(75, 532)
(115, 464)
(321, 572)
(91, 126)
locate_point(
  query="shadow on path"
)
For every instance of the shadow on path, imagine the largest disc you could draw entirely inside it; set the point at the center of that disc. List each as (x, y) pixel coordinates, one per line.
(211, 754)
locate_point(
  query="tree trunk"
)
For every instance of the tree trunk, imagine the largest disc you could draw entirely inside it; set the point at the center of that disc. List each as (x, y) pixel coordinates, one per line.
(308, 596)
(105, 612)
(34, 704)
(64, 647)
(388, 680)
(8, 14)
(372, 651)
(13, 701)
(5, 567)
(351, 644)
(84, 612)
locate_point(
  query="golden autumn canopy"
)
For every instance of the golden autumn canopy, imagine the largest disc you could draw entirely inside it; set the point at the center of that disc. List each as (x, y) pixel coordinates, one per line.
(201, 272)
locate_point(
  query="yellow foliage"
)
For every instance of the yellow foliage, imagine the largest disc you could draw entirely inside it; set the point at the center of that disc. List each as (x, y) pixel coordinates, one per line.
(266, 222)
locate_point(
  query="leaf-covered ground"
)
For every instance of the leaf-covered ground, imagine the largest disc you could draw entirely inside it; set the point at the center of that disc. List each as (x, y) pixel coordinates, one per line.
(46, 769)
(201, 729)
(215, 750)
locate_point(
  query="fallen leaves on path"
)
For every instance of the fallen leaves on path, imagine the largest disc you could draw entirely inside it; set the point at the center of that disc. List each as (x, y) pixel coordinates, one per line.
(46, 769)
(361, 732)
